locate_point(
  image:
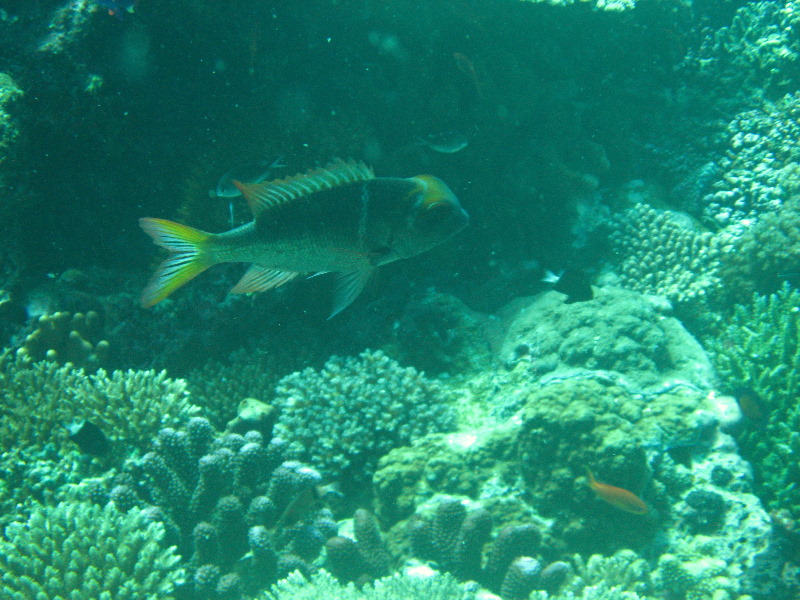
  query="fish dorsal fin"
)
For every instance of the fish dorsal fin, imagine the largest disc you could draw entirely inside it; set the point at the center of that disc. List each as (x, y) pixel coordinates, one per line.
(263, 196)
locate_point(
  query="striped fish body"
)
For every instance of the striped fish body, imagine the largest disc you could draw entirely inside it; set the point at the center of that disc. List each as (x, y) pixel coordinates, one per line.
(338, 219)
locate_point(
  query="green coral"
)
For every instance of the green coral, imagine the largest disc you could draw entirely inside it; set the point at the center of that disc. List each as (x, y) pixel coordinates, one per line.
(765, 250)
(666, 254)
(759, 350)
(9, 130)
(324, 586)
(759, 48)
(80, 551)
(37, 400)
(619, 331)
(343, 418)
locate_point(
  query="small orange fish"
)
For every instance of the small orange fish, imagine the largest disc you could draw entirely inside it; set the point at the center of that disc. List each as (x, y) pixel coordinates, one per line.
(622, 499)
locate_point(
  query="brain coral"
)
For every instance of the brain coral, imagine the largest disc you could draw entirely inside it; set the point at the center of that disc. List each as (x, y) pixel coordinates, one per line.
(346, 416)
(83, 552)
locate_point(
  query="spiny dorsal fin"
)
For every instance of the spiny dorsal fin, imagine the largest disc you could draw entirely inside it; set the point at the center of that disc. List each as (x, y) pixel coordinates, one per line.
(263, 196)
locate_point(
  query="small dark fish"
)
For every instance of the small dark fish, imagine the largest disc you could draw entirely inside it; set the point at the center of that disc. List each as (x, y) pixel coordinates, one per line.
(752, 406)
(465, 65)
(446, 142)
(573, 283)
(248, 173)
(89, 437)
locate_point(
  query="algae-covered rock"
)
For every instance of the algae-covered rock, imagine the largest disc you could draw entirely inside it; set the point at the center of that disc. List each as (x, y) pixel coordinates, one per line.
(439, 333)
(619, 331)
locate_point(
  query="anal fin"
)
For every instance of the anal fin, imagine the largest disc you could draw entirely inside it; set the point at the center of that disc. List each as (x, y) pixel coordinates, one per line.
(261, 279)
(347, 288)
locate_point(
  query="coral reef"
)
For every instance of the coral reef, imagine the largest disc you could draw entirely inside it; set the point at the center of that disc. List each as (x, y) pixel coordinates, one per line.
(239, 515)
(609, 5)
(664, 253)
(758, 49)
(344, 417)
(758, 169)
(65, 337)
(758, 353)
(438, 333)
(9, 128)
(363, 559)
(618, 331)
(218, 387)
(765, 254)
(322, 586)
(454, 538)
(85, 552)
(39, 399)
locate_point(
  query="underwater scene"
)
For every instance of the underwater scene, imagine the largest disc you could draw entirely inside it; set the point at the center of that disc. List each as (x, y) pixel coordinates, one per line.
(400, 300)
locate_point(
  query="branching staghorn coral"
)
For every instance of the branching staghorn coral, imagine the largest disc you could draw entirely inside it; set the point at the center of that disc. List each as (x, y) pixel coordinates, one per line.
(80, 551)
(758, 353)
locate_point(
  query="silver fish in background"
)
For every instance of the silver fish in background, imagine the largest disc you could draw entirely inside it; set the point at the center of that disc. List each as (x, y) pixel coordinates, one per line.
(248, 173)
(444, 142)
(340, 219)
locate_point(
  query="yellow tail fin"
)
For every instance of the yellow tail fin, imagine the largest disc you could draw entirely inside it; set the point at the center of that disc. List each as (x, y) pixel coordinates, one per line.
(189, 257)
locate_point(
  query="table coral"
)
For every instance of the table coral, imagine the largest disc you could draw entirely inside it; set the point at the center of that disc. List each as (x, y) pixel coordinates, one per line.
(344, 417)
(84, 552)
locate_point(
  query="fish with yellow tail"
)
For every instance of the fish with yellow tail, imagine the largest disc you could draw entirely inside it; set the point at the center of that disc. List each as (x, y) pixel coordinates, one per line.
(621, 498)
(338, 219)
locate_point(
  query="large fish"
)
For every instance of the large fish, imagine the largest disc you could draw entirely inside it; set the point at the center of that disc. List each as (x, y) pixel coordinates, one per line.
(340, 219)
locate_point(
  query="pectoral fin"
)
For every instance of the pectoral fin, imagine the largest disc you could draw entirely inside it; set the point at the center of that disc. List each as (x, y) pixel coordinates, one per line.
(260, 279)
(347, 288)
